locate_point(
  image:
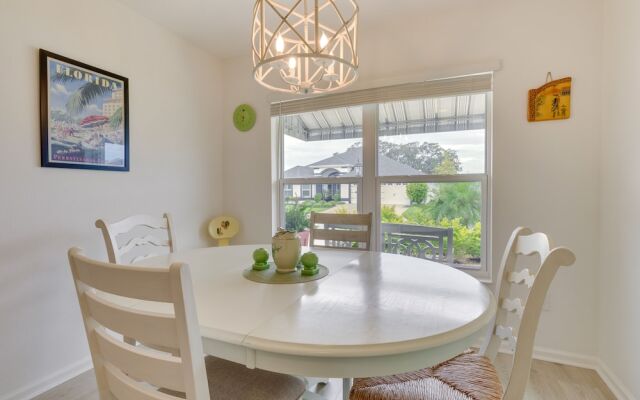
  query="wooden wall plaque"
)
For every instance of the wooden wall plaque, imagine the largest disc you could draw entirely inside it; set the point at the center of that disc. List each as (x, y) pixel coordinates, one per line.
(551, 101)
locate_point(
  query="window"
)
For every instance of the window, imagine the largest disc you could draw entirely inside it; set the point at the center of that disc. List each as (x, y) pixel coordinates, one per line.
(420, 153)
(431, 167)
(307, 192)
(299, 192)
(322, 164)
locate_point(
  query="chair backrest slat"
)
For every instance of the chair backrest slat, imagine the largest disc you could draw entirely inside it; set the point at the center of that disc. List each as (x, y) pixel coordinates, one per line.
(505, 333)
(143, 241)
(141, 283)
(513, 305)
(343, 219)
(143, 257)
(149, 328)
(338, 230)
(125, 388)
(134, 372)
(523, 277)
(158, 369)
(532, 244)
(517, 318)
(122, 253)
(342, 236)
(138, 220)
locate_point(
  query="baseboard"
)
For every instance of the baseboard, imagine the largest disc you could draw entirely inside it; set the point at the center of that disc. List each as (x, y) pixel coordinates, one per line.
(558, 356)
(615, 385)
(591, 362)
(577, 360)
(566, 358)
(32, 390)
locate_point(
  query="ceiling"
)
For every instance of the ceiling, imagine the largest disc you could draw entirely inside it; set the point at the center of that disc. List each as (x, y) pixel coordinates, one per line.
(223, 27)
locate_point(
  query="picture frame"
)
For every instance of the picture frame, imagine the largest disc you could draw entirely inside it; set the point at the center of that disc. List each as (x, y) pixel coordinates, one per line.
(551, 101)
(84, 115)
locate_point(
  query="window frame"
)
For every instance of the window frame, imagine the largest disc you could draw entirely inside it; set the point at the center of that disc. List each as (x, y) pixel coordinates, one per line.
(306, 188)
(285, 190)
(369, 185)
(313, 181)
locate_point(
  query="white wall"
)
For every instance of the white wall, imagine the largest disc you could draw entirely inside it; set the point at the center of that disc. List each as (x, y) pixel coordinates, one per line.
(175, 109)
(545, 174)
(619, 325)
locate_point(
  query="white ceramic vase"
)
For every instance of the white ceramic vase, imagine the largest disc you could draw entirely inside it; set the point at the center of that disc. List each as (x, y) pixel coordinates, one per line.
(285, 248)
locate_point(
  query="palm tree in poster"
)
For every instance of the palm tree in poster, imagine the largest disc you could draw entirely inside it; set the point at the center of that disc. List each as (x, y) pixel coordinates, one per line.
(116, 119)
(83, 96)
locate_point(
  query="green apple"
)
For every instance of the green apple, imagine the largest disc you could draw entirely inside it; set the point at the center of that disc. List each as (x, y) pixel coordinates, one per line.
(260, 256)
(309, 260)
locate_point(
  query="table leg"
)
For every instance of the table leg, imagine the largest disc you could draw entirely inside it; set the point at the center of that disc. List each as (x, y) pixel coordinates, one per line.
(346, 387)
(311, 382)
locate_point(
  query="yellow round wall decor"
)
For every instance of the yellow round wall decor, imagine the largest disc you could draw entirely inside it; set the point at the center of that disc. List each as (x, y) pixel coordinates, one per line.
(244, 117)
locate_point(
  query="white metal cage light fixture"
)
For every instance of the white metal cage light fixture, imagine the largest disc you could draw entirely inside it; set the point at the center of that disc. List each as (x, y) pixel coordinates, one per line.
(305, 46)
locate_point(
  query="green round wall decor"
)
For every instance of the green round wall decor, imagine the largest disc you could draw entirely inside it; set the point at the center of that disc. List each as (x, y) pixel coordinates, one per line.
(244, 117)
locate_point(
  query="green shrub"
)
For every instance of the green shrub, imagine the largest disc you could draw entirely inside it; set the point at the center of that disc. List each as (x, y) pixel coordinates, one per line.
(457, 200)
(466, 240)
(297, 216)
(417, 192)
(389, 216)
(419, 215)
(342, 210)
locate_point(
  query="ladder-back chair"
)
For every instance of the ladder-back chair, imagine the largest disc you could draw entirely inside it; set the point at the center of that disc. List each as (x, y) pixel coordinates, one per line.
(126, 252)
(127, 372)
(473, 375)
(340, 230)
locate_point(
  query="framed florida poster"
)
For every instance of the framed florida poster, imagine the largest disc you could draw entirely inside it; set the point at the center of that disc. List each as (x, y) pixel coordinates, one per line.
(84, 115)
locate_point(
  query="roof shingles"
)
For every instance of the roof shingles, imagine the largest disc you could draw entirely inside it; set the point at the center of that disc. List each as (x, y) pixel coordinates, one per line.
(352, 159)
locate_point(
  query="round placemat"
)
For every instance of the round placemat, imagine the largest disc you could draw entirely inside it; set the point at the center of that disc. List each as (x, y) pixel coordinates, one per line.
(271, 277)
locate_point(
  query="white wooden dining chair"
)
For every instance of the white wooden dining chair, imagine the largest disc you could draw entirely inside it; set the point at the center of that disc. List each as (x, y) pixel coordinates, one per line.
(125, 251)
(340, 230)
(127, 372)
(472, 375)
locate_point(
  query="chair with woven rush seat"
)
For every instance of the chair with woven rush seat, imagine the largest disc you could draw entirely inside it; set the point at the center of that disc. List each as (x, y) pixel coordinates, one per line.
(472, 376)
(340, 230)
(125, 253)
(106, 293)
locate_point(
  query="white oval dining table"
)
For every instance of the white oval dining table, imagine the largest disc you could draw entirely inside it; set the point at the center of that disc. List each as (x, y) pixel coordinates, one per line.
(374, 314)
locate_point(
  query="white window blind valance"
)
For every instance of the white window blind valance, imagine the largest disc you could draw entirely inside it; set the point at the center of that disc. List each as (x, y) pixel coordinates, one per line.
(408, 91)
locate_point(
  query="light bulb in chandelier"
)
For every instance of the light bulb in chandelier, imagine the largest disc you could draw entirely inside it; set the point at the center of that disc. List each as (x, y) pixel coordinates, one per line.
(324, 41)
(292, 77)
(293, 63)
(321, 61)
(279, 45)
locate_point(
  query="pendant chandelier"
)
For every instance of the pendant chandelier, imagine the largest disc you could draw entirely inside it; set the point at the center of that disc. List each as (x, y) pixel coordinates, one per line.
(305, 46)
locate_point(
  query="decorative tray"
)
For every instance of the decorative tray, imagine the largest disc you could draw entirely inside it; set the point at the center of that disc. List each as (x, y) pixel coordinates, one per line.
(270, 276)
